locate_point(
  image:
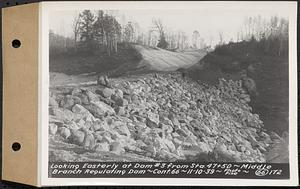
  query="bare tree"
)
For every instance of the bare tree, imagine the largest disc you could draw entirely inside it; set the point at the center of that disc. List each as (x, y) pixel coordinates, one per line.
(158, 26)
(129, 32)
(195, 39)
(221, 37)
(76, 29)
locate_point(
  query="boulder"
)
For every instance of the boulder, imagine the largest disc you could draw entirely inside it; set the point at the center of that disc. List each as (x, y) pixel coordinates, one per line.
(52, 102)
(152, 120)
(102, 147)
(64, 132)
(103, 80)
(98, 136)
(64, 115)
(205, 148)
(77, 100)
(84, 99)
(52, 128)
(127, 97)
(100, 125)
(166, 128)
(89, 140)
(121, 102)
(76, 92)
(250, 86)
(107, 92)
(106, 137)
(170, 145)
(55, 120)
(91, 96)
(120, 111)
(67, 102)
(100, 109)
(78, 109)
(77, 137)
(71, 125)
(177, 142)
(116, 147)
(135, 98)
(174, 119)
(151, 151)
(222, 154)
(121, 128)
(119, 93)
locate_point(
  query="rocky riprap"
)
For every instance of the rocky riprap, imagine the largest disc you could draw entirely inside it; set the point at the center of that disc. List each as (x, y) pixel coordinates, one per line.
(156, 117)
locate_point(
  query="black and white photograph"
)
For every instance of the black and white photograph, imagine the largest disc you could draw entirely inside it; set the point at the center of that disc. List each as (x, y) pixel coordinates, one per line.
(167, 85)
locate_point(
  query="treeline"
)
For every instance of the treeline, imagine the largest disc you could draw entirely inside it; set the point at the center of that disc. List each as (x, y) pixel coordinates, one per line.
(267, 36)
(102, 30)
(105, 30)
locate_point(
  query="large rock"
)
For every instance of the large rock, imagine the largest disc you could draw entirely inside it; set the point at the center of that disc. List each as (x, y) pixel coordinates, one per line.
(100, 109)
(64, 132)
(77, 100)
(89, 140)
(52, 129)
(151, 151)
(121, 128)
(77, 137)
(119, 93)
(100, 125)
(52, 102)
(103, 80)
(152, 120)
(53, 119)
(78, 109)
(106, 137)
(116, 147)
(84, 99)
(166, 128)
(76, 92)
(91, 96)
(106, 92)
(120, 110)
(170, 145)
(102, 147)
(174, 119)
(135, 98)
(64, 115)
(222, 154)
(205, 148)
(67, 102)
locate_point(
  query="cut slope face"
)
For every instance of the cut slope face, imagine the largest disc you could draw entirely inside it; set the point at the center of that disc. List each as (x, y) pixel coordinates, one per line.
(164, 60)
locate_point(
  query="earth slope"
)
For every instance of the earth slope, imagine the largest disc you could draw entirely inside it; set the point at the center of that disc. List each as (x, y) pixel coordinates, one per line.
(130, 59)
(164, 60)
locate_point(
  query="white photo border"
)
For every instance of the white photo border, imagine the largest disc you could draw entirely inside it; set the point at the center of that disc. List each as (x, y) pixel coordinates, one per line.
(47, 7)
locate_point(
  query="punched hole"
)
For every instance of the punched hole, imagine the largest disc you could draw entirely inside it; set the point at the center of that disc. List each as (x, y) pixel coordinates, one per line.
(16, 146)
(16, 43)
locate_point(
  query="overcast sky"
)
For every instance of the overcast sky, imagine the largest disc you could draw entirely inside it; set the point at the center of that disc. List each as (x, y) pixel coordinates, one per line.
(208, 21)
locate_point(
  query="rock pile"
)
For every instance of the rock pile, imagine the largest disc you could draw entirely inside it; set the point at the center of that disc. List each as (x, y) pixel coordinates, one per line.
(163, 116)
